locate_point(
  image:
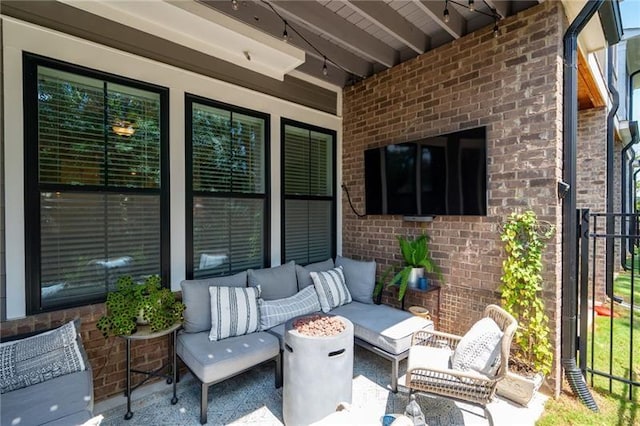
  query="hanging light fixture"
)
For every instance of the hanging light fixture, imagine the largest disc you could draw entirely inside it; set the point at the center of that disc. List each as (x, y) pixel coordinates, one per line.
(123, 128)
(472, 6)
(285, 34)
(234, 4)
(325, 70)
(446, 11)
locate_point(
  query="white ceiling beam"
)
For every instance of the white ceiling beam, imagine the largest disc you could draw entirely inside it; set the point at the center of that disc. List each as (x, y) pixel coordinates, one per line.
(267, 21)
(503, 7)
(385, 17)
(457, 25)
(340, 30)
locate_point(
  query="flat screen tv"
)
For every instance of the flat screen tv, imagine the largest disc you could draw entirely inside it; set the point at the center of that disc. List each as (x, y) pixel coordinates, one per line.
(438, 176)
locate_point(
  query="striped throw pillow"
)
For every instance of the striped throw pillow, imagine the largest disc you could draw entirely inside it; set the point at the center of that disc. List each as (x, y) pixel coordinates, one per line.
(274, 312)
(331, 288)
(234, 311)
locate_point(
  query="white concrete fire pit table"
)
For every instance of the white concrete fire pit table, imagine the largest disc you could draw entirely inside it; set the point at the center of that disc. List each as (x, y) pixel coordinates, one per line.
(318, 367)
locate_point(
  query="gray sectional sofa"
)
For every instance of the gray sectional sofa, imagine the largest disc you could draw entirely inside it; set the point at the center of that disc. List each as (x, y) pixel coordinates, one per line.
(62, 393)
(283, 294)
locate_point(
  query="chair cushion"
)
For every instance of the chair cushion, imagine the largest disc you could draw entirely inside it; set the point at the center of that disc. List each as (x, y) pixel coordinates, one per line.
(39, 358)
(195, 296)
(479, 349)
(360, 278)
(302, 272)
(234, 311)
(429, 358)
(331, 288)
(215, 361)
(274, 312)
(388, 328)
(275, 283)
(68, 395)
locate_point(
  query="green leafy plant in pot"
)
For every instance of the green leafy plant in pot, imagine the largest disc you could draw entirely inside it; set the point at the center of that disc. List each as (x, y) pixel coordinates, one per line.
(133, 304)
(417, 256)
(525, 239)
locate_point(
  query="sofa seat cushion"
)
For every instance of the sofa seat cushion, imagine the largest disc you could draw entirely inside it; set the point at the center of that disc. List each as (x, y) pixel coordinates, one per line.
(388, 328)
(215, 361)
(58, 400)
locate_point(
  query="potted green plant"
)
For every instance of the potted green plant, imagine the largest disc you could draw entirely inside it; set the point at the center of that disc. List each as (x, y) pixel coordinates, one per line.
(417, 260)
(135, 304)
(531, 358)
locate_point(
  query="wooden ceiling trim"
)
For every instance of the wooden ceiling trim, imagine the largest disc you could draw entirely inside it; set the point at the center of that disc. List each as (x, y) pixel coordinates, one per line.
(588, 94)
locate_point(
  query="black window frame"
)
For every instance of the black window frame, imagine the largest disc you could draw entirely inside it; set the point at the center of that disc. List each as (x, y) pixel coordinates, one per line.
(32, 186)
(189, 100)
(283, 194)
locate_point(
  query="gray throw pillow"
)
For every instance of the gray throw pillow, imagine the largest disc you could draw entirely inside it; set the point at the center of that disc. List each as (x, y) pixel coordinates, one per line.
(195, 296)
(277, 282)
(479, 349)
(39, 358)
(360, 278)
(274, 312)
(304, 279)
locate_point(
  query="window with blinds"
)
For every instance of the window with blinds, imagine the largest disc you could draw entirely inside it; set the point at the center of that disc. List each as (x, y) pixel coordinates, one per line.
(96, 152)
(226, 188)
(309, 217)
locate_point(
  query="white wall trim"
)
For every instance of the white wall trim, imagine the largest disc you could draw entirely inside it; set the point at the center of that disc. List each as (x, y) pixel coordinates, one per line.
(20, 36)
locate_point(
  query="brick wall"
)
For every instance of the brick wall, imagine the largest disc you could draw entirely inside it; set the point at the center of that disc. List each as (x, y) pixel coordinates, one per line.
(513, 85)
(591, 183)
(107, 357)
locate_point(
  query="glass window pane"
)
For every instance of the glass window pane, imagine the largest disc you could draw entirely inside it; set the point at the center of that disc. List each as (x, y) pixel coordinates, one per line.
(211, 147)
(89, 240)
(228, 235)
(296, 161)
(320, 164)
(70, 128)
(248, 154)
(308, 231)
(133, 137)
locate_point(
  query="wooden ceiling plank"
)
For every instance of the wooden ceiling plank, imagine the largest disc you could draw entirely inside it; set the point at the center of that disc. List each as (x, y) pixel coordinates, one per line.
(503, 7)
(315, 15)
(385, 17)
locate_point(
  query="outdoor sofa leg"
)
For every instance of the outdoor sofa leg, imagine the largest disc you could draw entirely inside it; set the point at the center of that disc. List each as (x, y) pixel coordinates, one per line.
(278, 371)
(204, 391)
(394, 375)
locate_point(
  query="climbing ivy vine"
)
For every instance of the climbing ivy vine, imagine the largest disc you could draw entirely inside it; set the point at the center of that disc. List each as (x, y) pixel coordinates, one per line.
(525, 239)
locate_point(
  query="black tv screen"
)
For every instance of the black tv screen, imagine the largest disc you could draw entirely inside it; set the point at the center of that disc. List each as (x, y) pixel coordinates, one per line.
(437, 176)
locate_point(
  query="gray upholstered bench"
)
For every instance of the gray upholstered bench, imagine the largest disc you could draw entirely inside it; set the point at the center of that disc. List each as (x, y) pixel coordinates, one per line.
(213, 362)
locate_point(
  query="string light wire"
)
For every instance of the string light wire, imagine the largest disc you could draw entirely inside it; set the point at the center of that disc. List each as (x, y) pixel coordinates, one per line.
(326, 58)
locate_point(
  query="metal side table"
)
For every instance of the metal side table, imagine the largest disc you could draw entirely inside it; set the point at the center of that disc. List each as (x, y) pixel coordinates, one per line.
(144, 333)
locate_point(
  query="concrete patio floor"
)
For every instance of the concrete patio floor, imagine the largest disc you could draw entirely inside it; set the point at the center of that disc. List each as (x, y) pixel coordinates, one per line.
(251, 398)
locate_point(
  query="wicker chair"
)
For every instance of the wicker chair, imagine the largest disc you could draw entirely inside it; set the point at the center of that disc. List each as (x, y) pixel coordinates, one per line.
(429, 369)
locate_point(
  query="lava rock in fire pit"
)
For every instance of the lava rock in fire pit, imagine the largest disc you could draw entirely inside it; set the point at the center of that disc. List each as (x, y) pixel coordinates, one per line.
(319, 325)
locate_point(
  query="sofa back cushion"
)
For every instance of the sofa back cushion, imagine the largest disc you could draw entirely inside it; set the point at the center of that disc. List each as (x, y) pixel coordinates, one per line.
(234, 311)
(275, 312)
(195, 296)
(39, 358)
(275, 283)
(302, 272)
(331, 289)
(360, 278)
